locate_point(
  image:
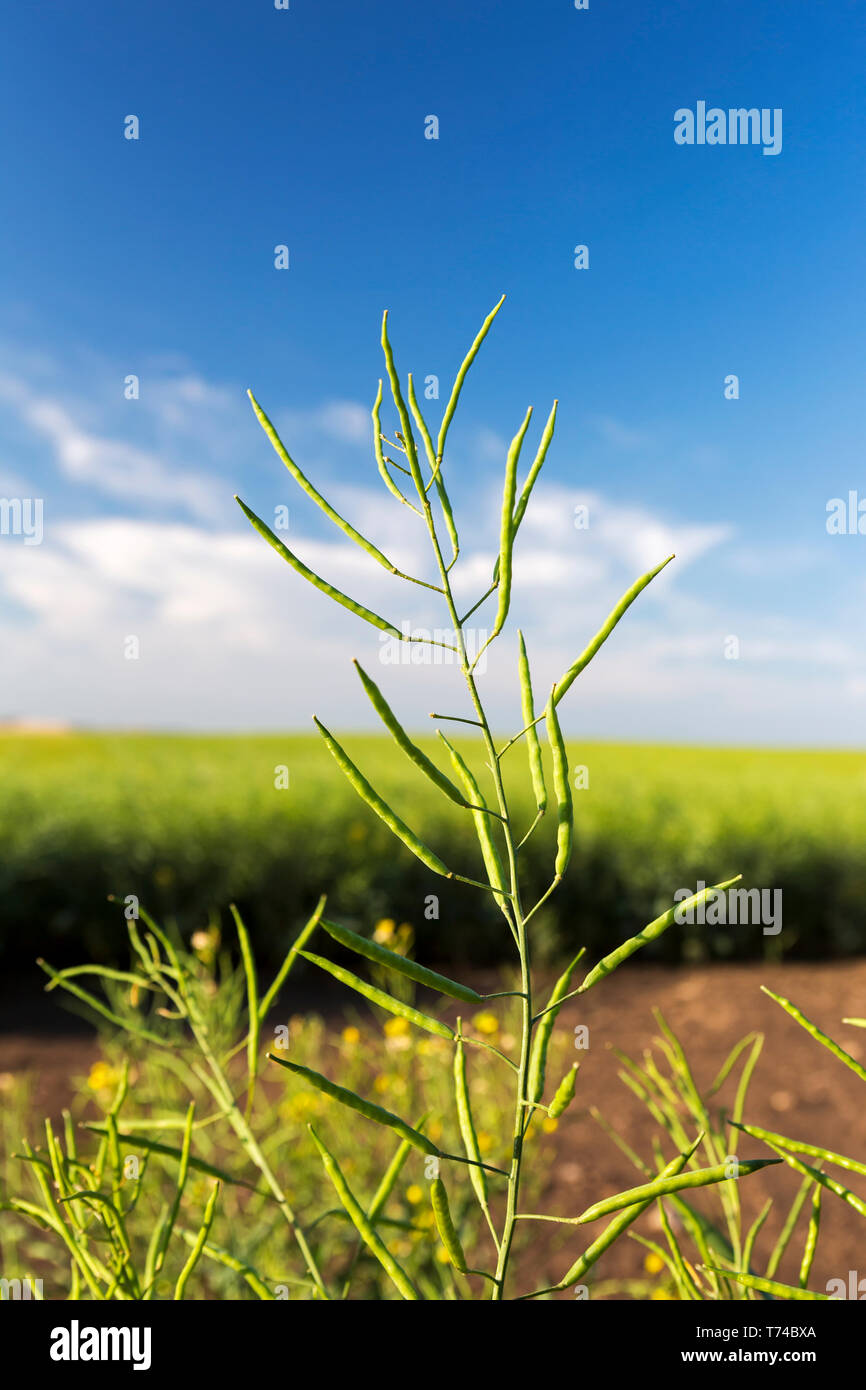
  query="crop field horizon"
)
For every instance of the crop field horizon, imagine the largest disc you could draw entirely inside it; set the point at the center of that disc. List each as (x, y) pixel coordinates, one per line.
(190, 822)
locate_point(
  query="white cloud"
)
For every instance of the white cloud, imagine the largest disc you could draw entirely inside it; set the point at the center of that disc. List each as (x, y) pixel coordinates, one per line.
(107, 465)
(230, 637)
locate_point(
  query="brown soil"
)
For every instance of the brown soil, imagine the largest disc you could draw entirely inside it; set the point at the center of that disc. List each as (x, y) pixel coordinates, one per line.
(798, 1089)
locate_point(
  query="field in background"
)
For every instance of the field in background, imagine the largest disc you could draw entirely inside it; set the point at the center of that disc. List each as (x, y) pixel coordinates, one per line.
(189, 824)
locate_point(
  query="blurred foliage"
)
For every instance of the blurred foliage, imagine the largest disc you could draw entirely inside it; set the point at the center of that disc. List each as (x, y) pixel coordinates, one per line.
(189, 824)
(372, 1052)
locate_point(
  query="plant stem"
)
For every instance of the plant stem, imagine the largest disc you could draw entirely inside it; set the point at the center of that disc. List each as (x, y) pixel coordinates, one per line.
(512, 910)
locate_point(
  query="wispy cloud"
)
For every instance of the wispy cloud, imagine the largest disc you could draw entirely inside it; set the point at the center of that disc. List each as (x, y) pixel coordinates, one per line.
(346, 422)
(104, 463)
(230, 637)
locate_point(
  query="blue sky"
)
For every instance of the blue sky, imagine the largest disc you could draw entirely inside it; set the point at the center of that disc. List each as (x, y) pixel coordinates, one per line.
(261, 127)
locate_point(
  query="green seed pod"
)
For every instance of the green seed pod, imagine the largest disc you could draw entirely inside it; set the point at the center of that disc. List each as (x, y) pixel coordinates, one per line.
(620, 1223)
(536, 766)
(359, 1218)
(198, 1244)
(564, 1093)
(405, 423)
(363, 1107)
(321, 584)
(811, 1239)
(378, 996)
(492, 861)
(769, 1286)
(398, 733)
(382, 809)
(363, 946)
(797, 1146)
(477, 1175)
(534, 471)
(445, 1225)
(224, 1257)
(291, 956)
(380, 457)
(562, 791)
(312, 492)
(662, 1186)
(543, 1030)
(436, 474)
(816, 1175)
(650, 932)
(461, 376)
(390, 1176)
(526, 490)
(605, 630)
(817, 1033)
(507, 529)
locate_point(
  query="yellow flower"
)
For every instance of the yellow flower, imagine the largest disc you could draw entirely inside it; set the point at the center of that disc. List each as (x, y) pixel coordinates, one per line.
(485, 1142)
(103, 1076)
(653, 1264)
(425, 1219)
(382, 1083)
(351, 1036)
(396, 1027)
(301, 1107)
(414, 1194)
(486, 1022)
(405, 935)
(442, 1256)
(548, 1125)
(661, 1294)
(384, 930)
